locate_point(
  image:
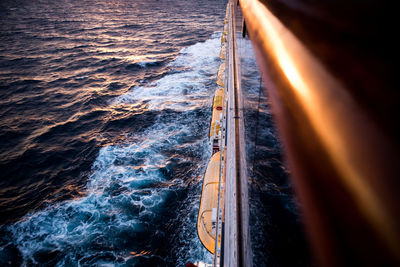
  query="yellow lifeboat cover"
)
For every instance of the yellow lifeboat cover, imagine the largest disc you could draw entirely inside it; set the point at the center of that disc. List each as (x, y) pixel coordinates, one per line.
(216, 111)
(220, 75)
(222, 53)
(206, 220)
(223, 38)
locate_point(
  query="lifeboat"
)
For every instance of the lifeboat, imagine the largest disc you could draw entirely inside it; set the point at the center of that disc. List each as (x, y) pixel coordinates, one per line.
(216, 119)
(220, 75)
(222, 53)
(207, 218)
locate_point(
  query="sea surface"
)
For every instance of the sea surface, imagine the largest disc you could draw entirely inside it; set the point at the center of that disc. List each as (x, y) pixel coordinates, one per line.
(104, 116)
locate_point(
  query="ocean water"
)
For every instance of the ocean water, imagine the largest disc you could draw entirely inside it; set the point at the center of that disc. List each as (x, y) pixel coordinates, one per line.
(104, 113)
(104, 116)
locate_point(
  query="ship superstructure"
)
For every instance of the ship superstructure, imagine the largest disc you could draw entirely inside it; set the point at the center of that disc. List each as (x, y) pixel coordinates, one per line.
(344, 163)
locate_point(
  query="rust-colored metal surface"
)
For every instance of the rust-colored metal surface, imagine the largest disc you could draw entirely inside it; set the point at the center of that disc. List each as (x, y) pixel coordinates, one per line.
(335, 107)
(356, 41)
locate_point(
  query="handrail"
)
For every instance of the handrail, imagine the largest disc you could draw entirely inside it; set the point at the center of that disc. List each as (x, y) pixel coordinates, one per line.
(237, 247)
(344, 168)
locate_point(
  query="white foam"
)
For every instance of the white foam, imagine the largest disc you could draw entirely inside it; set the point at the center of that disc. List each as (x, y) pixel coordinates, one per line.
(81, 78)
(144, 64)
(176, 90)
(120, 192)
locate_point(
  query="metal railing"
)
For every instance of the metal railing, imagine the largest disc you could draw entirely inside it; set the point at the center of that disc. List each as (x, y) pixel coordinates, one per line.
(345, 169)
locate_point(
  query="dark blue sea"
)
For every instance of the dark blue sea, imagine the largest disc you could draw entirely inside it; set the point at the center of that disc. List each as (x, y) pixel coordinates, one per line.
(104, 116)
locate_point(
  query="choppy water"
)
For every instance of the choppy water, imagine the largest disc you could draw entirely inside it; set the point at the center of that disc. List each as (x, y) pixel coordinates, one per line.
(104, 111)
(104, 116)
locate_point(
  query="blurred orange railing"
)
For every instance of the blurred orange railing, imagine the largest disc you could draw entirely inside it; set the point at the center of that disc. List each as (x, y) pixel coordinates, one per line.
(344, 167)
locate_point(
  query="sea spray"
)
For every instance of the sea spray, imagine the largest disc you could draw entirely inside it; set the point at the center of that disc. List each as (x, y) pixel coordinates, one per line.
(119, 217)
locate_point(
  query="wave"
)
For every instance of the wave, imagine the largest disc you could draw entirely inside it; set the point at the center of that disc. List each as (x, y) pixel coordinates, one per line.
(144, 64)
(183, 89)
(140, 203)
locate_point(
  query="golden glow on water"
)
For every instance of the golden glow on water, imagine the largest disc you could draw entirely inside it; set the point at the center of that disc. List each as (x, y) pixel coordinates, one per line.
(326, 104)
(139, 253)
(74, 189)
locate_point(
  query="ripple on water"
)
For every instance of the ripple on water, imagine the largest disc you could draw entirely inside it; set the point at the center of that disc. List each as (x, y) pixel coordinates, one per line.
(139, 205)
